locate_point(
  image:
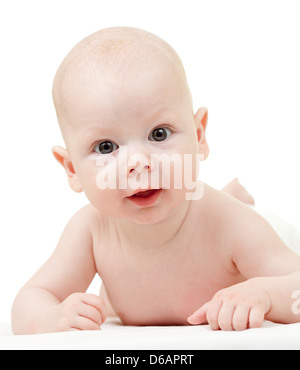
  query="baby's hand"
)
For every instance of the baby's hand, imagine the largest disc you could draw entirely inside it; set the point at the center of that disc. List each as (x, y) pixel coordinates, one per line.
(238, 307)
(79, 311)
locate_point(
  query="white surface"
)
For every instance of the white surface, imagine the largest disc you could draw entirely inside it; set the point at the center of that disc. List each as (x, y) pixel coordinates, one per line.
(114, 336)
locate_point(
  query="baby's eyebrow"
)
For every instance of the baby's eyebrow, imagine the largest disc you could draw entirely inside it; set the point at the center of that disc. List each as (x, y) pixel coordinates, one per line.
(97, 132)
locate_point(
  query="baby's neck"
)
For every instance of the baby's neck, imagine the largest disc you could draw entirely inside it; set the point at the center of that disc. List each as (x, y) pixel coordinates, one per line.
(153, 235)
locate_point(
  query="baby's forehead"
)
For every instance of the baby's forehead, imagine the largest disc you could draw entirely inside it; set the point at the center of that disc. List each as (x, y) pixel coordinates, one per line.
(112, 54)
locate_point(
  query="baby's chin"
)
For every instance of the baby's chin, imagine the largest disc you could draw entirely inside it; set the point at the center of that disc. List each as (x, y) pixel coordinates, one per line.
(159, 212)
(148, 216)
(143, 216)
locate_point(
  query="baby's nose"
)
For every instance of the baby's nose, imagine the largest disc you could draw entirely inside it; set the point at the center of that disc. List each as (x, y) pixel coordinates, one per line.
(134, 169)
(138, 163)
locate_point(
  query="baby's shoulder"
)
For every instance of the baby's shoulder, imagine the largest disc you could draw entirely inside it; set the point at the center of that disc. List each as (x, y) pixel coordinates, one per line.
(228, 215)
(223, 204)
(85, 219)
(85, 214)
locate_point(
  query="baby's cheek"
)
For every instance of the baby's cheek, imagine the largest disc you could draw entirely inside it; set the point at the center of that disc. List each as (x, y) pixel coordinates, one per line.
(103, 200)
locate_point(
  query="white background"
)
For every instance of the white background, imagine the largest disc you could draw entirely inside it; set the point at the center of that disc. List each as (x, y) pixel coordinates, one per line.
(242, 60)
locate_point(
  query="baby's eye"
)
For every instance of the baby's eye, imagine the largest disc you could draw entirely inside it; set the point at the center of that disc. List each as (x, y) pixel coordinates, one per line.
(160, 134)
(105, 147)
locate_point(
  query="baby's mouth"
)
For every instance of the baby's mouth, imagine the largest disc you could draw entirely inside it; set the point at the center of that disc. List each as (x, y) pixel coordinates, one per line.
(145, 198)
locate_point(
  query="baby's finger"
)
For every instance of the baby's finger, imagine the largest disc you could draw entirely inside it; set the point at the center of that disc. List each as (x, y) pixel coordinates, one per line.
(199, 316)
(91, 313)
(83, 323)
(96, 302)
(240, 318)
(256, 316)
(212, 313)
(226, 315)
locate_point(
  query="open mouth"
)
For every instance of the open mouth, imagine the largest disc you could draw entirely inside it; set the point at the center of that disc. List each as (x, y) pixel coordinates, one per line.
(145, 198)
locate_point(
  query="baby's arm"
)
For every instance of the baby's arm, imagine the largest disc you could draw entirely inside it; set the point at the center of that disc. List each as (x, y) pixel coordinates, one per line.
(54, 299)
(273, 273)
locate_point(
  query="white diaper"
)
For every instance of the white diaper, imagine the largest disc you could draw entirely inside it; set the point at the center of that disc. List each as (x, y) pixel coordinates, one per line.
(288, 232)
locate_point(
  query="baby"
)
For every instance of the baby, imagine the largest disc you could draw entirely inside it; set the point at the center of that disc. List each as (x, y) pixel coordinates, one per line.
(169, 249)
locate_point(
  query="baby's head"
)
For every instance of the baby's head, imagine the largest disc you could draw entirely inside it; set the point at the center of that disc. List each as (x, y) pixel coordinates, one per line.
(123, 88)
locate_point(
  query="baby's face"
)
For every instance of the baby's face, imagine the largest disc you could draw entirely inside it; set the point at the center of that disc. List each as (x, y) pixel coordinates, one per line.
(128, 118)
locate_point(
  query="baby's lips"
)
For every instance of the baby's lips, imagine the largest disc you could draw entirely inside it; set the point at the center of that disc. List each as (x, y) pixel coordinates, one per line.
(142, 192)
(145, 198)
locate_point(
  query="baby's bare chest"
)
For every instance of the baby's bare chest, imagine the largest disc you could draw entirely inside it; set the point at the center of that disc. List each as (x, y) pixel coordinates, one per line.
(164, 287)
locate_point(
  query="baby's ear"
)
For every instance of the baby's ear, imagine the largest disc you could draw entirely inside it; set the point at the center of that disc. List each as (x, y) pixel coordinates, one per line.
(63, 157)
(201, 118)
